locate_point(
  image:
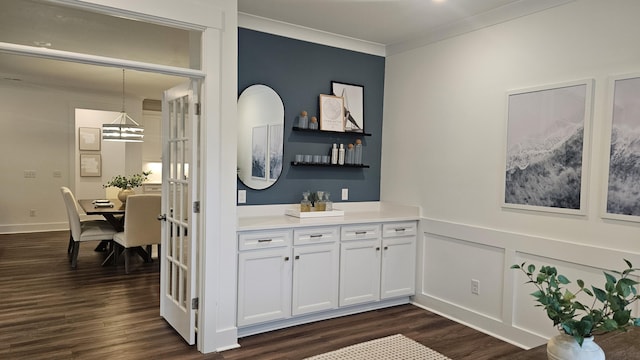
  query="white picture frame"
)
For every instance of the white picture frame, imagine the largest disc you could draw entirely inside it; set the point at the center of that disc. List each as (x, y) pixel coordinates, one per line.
(331, 113)
(90, 165)
(89, 139)
(620, 199)
(548, 141)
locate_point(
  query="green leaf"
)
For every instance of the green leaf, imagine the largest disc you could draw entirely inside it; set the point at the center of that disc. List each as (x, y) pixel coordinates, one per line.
(628, 263)
(600, 294)
(610, 278)
(587, 291)
(563, 280)
(580, 283)
(622, 317)
(531, 268)
(515, 266)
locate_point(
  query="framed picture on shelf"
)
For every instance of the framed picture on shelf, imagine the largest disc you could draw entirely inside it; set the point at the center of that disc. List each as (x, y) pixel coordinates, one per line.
(623, 181)
(353, 97)
(331, 113)
(547, 147)
(89, 139)
(90, 165)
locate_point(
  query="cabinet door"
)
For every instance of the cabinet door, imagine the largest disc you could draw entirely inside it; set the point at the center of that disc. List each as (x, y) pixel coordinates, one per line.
(315, 278)
(398, 266)
(264, 285)
(359, 271)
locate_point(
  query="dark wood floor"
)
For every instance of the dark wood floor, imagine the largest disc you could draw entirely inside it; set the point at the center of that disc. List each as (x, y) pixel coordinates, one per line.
(48, 311)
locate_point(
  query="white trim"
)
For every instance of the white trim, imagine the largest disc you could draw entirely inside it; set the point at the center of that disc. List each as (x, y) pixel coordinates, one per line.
(168, 14)
(308, 34)
(53, 54)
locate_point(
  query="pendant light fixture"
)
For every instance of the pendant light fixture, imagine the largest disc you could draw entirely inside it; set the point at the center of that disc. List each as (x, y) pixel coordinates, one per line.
(123, 127)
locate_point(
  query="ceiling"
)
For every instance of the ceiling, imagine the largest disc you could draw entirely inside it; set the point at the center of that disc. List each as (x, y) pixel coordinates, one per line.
(387, 23)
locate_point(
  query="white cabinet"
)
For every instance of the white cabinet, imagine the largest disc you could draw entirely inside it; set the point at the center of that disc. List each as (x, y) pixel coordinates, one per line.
(360, 254)
(315, 270)
(318, 270)
(398, 259)
(264, 277)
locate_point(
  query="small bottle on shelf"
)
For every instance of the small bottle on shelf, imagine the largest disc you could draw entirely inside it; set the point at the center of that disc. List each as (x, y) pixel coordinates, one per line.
(341, 155)
(358, 153)
(349, 157)
(303, 120)
(313, 125)
(334, 154)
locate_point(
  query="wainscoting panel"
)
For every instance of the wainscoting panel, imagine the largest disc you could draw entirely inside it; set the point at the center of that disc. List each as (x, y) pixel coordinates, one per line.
(450, 255)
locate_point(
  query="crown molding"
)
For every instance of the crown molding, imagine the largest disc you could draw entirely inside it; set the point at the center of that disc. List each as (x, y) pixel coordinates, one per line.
(298, 32)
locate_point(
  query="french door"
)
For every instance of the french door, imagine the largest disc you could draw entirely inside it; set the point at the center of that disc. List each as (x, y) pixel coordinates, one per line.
(180, 209)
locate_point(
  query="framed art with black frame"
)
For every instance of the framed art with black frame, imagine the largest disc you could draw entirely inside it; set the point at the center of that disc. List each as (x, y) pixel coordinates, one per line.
(353, 98)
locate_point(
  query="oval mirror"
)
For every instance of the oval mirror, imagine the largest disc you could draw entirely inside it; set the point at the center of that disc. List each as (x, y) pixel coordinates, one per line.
(260, 136)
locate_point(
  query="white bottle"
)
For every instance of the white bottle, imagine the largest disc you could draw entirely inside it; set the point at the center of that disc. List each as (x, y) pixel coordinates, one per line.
(334, 154)
(341, 155)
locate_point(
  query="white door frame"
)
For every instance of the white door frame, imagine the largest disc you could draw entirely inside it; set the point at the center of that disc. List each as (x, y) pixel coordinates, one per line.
(217, 19)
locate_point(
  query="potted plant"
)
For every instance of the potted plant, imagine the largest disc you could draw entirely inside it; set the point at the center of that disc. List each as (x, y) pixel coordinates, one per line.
(126, 184)
(577, 321)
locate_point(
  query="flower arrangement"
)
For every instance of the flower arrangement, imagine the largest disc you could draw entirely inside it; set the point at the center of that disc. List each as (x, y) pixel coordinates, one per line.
(130, 182)
(608, 312)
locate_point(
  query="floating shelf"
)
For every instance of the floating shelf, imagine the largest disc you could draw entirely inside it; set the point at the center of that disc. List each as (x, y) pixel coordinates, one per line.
(362, 166)
(346, 133)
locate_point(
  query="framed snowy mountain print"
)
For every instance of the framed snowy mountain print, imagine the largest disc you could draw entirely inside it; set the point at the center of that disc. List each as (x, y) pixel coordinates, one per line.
(547, 146)
(623, 180)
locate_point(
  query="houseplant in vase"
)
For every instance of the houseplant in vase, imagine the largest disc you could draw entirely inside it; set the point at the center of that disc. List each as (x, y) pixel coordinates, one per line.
(126, 184)
(579, 321)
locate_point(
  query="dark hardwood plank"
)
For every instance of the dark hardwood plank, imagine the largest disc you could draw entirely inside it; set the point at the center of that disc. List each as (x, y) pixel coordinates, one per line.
(49, 311)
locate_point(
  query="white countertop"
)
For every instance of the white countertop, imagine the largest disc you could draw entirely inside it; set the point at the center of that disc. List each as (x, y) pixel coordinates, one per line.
(261, 217)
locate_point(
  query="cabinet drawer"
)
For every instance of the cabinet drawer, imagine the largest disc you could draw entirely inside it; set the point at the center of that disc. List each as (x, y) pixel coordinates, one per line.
(152, 188)
(315, 235)
(397, 229)
(360, 232)
(250, 240)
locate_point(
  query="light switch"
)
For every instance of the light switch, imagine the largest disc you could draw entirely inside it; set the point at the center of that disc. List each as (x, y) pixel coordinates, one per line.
(345, 194)
(29, 174)
(242, 196)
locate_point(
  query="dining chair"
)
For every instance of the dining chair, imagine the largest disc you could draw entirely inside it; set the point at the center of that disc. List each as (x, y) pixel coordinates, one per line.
(141, 226)
(89, 230)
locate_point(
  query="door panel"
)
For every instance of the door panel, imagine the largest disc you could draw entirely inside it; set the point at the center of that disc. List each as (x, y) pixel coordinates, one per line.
(179, 192)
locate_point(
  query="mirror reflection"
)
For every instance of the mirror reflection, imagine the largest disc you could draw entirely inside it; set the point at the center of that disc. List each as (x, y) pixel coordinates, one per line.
(260, 136)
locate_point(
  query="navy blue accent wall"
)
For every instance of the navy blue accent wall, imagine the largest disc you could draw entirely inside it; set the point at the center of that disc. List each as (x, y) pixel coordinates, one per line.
(299, 72)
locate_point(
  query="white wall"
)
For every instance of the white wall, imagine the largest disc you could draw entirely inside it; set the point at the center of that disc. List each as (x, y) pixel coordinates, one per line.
(38, 132)
(443, 149)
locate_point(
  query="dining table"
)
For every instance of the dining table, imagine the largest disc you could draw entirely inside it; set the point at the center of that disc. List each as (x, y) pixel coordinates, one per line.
(113, 211)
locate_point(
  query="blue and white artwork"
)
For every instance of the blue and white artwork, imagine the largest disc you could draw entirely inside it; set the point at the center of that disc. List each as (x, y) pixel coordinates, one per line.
(259, 152)
(623, 190)
(545, 147)
(276, 143)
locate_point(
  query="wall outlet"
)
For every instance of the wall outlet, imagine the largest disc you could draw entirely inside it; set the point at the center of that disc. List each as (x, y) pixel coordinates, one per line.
(345, 194)
(32, 212)
(57, 173)
(29, 174)
(475, 286)
(242, 196)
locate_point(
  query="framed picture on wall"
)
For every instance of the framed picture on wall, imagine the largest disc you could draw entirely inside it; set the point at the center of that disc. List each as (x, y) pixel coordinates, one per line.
(331, 113)
(259, 152)
(90, 165)
(547, 147)
(623, 181)
(89, 139)
(353, 98)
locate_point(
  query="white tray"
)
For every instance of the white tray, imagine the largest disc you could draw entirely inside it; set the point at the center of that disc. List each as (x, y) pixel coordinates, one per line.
(313, 214)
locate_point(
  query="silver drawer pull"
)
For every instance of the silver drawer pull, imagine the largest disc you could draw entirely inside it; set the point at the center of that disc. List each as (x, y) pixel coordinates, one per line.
(400, 229)
(313, 236)
(361, 232)
(264, 240)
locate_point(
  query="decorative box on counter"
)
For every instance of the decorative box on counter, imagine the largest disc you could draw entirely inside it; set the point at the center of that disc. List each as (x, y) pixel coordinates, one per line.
(313, 214)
